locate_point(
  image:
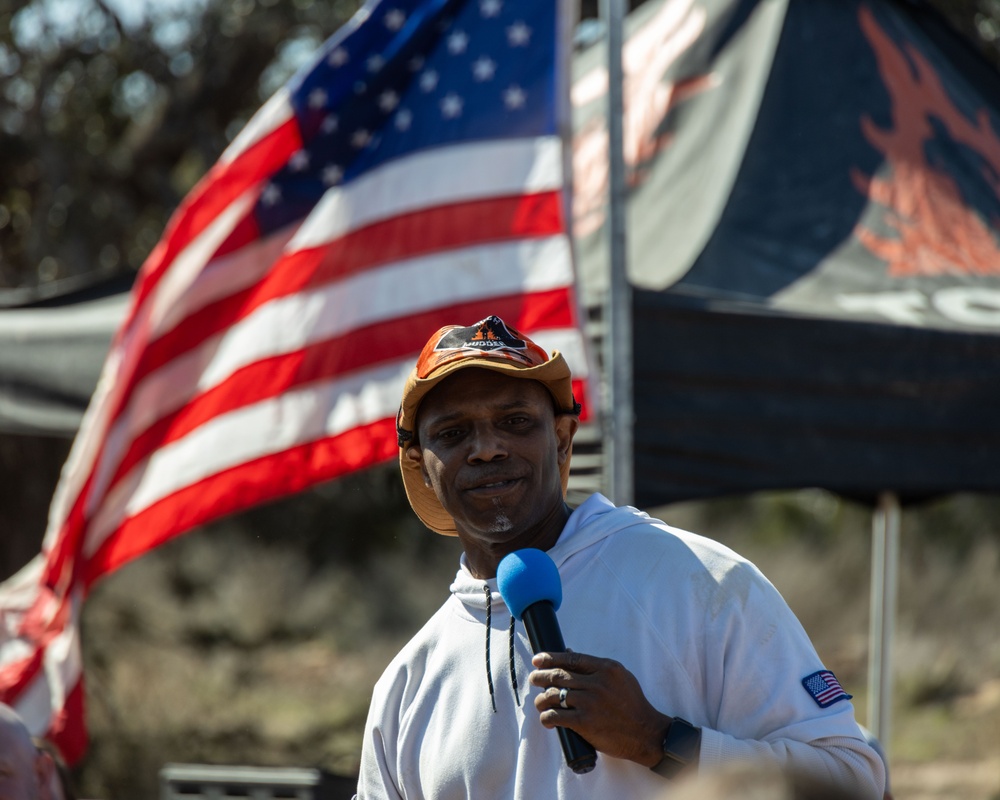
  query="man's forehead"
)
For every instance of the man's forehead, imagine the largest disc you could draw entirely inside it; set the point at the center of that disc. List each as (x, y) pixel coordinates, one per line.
(471, 390)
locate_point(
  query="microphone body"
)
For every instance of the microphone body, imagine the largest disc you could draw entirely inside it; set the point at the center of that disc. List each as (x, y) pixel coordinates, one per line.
(530, 585)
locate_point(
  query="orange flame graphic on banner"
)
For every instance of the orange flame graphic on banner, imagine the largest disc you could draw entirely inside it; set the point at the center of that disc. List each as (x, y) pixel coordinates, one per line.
(938, 234)
(647, 97)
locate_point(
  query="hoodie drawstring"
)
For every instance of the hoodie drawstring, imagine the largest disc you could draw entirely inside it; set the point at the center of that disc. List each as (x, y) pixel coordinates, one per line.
(513, 671)
(510, 649)
(489, 617)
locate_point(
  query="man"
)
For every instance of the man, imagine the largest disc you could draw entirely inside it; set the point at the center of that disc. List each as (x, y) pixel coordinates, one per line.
(26, 773)
(684, 656)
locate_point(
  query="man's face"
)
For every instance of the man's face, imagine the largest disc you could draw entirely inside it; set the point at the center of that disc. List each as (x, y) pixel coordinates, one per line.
(490, 447)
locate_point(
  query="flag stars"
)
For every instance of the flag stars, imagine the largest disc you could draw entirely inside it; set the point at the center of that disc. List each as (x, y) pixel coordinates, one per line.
(457, 42)
(299, 161)
(403, 119)
(338, 57)
(388, 100)
(329, 124)
(483, 68)
(360, 138)
(451, 106)
(490, 8)
(271, 195)
(375, 63)
(416, 64)
(514, 97)
(331, 175)
(428, 80)
(317, 98)
(518, 34)
(394, 19)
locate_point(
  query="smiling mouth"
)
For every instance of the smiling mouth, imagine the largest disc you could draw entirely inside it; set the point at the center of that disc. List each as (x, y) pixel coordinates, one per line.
(493, 486)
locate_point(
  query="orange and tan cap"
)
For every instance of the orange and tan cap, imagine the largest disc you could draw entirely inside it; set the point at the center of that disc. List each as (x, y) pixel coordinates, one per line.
(488, 344)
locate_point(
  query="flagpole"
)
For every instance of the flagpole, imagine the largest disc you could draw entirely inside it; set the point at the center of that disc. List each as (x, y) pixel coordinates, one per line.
(617, 351)
(884, 588)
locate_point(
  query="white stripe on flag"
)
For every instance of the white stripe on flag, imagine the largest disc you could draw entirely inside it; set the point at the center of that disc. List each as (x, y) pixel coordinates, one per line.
(454, 174)
(173, 287)
(282, 422)
(62, 668)
(269, 117)
(227, 275)
(569, 342)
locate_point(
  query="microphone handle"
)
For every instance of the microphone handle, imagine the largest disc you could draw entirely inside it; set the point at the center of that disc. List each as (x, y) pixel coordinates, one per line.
(545, 635)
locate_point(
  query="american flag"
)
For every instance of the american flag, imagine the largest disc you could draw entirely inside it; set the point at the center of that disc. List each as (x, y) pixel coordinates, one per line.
(824, 688)
(412, 176)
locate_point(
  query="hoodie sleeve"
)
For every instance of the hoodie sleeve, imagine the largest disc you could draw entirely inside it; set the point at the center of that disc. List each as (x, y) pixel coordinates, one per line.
(770, 695)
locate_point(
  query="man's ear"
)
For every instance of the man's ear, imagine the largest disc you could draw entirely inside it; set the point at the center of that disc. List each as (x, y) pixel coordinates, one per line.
(566, 427)
(415, 456)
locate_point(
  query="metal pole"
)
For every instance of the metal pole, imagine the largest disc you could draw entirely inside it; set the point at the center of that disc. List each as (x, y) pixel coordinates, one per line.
(884, 586)
(618, 417)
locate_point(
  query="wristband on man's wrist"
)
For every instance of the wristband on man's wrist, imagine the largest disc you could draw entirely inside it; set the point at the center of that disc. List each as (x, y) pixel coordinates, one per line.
(681, 748)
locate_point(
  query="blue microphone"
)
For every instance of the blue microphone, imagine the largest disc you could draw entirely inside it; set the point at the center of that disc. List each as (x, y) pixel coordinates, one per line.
(530, 586)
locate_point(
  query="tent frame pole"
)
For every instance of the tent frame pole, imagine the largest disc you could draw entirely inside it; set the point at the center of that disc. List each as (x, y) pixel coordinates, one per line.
(617, 351)
(884, 587)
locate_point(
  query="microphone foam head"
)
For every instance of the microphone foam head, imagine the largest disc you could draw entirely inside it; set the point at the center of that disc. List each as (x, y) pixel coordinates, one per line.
(527, 576)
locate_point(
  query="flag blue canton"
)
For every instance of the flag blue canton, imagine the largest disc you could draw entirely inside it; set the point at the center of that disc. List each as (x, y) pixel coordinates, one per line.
(824, 688)
(408, 75)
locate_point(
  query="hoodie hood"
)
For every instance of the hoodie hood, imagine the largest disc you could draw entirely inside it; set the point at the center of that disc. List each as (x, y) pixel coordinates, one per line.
(482, 600)
(580, 533)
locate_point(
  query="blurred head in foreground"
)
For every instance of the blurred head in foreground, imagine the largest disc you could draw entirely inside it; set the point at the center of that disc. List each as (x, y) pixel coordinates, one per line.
(61, 783)
(754, 782)
(26, 773)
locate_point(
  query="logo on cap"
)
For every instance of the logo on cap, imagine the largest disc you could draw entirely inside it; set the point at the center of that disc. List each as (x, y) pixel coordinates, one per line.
(490, 334)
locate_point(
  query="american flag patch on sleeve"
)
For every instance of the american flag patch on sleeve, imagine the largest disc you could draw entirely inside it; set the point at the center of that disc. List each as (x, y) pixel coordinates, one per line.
(824, 688)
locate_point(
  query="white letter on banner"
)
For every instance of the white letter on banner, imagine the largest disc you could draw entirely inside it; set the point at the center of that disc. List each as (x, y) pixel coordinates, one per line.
(970, 305)
(905, 308)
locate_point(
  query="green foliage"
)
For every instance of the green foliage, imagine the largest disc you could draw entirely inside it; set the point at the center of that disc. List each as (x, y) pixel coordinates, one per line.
(107, 119)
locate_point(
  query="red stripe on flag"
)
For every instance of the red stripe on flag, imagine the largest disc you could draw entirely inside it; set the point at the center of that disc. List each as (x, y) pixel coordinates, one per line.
(248, 484)
(61, 560)
(366, 347)
(16, 676)
(580, 395)
(221, 185)
(407, 236)
(67, 730)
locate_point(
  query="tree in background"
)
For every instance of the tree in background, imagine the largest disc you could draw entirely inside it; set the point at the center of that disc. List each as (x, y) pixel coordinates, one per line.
(109, 114)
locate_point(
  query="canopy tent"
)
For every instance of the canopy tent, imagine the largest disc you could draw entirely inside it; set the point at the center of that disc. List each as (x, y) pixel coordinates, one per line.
(52, 347)
(814, 250)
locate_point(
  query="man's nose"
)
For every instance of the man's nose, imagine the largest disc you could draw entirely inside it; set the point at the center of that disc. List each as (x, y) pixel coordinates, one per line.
(486, 444)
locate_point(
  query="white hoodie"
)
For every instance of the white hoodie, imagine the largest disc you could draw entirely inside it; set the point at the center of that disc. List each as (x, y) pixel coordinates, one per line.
(707, 636)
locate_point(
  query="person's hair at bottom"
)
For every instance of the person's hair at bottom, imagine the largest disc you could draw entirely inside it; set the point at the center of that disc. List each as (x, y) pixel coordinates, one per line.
(754, 781)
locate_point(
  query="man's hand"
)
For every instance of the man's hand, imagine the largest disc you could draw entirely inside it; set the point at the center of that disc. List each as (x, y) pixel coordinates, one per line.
(606, 705)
